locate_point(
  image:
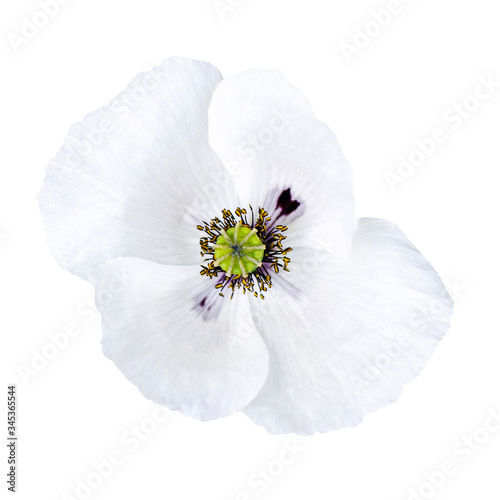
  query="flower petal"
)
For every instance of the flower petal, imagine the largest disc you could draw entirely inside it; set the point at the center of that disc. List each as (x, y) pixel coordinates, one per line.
(343, 337)
(283, 159)
(181, 344)
(136, 176)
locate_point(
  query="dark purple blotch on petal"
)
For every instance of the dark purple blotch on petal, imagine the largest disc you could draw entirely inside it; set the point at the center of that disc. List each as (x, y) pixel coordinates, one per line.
(208, 303)
(286, 204)
(204, 308)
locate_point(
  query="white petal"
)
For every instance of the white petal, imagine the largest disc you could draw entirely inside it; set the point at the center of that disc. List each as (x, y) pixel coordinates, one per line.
(136, 176)
(182, 345)
(269, 140)
(344, 337)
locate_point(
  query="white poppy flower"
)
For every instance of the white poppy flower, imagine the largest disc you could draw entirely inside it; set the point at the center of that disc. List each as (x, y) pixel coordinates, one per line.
(322, 317)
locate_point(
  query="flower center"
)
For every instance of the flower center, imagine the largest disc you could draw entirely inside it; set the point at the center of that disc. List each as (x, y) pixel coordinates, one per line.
(238, 250)
(246, 251)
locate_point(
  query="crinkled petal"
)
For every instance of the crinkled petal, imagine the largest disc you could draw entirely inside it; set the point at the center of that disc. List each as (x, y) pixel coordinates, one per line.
(283, 159)
(344, 337)
(183, 346)
(136, 176)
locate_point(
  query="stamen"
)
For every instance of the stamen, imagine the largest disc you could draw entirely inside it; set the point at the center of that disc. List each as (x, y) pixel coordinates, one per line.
(254, 250)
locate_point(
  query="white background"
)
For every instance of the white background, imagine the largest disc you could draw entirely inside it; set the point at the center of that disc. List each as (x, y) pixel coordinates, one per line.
(77, 408)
